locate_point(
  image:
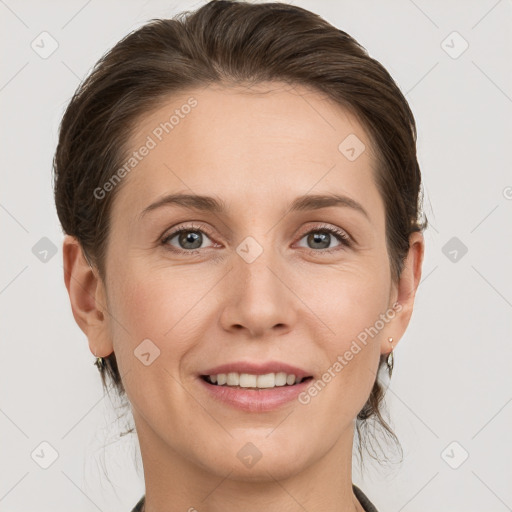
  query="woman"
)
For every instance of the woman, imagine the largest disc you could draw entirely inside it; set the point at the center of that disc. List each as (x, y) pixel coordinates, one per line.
(241, 200)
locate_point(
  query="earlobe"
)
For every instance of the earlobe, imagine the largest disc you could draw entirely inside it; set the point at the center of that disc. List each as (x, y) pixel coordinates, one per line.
(87, 297)
(406, 290)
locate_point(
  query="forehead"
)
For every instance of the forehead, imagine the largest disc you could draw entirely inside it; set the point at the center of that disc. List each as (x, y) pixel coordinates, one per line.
(249, 146)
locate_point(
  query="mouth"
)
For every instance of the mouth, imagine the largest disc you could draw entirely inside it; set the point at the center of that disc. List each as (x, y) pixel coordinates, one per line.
(255, 382)
(254, 393)
(255, 386)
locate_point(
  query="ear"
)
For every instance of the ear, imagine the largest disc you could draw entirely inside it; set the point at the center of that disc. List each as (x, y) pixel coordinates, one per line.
(87, 296)
(404, 292)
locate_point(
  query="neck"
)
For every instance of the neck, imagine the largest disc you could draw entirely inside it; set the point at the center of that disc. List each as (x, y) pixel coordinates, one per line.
(171, 478)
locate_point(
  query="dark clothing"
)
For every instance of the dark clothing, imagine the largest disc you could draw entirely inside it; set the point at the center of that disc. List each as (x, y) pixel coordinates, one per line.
(138, 507)
(365, 502)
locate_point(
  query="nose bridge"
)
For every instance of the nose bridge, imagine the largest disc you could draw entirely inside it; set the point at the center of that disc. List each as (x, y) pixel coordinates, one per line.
(258, 298)
(258, 262)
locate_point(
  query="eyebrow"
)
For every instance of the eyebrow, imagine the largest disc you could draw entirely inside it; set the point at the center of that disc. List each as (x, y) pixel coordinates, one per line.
(217, 205)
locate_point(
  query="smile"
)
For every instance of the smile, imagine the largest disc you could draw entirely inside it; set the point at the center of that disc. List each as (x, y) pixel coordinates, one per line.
(253, 381)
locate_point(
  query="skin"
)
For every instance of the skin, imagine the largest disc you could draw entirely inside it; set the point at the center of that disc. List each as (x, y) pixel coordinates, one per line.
(258, 150)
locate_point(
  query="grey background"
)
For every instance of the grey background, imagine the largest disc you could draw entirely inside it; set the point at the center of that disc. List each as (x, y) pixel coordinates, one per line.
(452, 380)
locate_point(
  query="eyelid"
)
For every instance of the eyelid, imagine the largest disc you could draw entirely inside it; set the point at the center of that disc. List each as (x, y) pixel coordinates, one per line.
(346, 240)
(175, 230)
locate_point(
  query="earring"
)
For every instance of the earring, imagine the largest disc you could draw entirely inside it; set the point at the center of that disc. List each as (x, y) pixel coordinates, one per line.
(390, 360)
(99, 363)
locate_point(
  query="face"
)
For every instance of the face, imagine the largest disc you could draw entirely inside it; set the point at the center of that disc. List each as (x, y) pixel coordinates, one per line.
(263, 279)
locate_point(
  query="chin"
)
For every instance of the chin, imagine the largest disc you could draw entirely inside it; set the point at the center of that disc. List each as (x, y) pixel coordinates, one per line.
(268, 468)
(257, 457)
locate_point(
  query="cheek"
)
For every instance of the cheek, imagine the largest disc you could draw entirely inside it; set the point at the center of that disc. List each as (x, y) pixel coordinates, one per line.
(159, 306)
(351, 305)
(348, 298)
(152, 335)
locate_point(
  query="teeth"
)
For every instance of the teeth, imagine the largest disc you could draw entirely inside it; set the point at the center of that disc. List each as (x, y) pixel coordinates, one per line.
(247, 380)
(266, 381)
(233, 379)
(280, 379)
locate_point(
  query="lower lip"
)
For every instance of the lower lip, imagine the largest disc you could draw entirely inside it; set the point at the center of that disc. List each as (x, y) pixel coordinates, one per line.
(254, 400)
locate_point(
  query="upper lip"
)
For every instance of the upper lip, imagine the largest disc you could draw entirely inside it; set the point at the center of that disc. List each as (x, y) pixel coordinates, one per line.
(255, 368)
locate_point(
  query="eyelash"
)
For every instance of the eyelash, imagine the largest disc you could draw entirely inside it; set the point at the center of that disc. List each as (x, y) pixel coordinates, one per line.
(340, 235)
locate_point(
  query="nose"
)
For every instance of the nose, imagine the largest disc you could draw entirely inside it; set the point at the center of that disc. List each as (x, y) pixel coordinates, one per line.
(258, 298)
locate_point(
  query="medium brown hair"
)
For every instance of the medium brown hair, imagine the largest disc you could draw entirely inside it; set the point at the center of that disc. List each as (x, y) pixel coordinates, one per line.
(233, 43)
